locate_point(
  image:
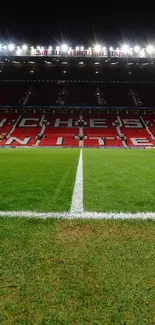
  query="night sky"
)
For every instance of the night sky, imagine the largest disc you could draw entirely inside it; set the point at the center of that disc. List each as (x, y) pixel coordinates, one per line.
(78, 25)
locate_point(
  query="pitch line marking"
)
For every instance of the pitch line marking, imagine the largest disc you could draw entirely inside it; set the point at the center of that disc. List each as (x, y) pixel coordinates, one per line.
(76, 211)
(77, 198)
(84, 215)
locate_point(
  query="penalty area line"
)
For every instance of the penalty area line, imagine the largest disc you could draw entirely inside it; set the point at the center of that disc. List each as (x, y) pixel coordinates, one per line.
(84, 215)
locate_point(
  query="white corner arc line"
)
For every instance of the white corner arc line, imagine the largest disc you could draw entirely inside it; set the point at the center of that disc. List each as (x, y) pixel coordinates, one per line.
(79, 215)
(77, 198)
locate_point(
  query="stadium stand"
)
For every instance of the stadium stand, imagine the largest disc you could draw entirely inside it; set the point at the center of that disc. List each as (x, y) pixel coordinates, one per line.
(75, 102)
(59, 93)
(63, 130)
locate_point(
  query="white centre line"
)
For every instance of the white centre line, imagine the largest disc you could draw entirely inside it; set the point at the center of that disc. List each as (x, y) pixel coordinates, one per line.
(77, 198)
(76, 210)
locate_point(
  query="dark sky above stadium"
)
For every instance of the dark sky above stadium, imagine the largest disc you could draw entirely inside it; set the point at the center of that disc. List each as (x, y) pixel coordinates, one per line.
(79, 24)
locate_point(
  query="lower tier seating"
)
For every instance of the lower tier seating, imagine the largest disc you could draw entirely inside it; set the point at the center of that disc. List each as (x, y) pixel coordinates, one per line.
(96, 130)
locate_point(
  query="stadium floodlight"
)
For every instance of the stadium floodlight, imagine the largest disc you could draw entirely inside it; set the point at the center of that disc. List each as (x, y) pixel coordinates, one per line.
(82, 48)
(97, 48)
(89, 49)
(137, 49)
(104, 48)
(125, 49)
(24, 47)
(32, 48)
(38, 47)
(50, 48)
(77, 48)
(64, 47)
(11, 47)
(150, 49)
(57, 48)
(142, 53)
(4, 47)
(111, 48)
(18, 50)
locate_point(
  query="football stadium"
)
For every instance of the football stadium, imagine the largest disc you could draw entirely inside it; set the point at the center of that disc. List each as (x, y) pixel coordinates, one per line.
(77, 200)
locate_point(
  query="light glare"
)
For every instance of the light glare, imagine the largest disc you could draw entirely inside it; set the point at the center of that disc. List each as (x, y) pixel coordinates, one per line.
(11, 47)
(97, 48)
(137, 49)
(125, 49)
(150, 49)
(142, 53)
(18, 51)
(24, 47)
(64, 47)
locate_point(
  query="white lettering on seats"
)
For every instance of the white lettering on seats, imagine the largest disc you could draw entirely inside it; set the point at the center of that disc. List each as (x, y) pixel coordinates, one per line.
(97, 123)
(100, 140)
(25, 141)
(2, 122)
(25, 120)
(141, 142)
(69, 123)
(59, 141)
(132, 123)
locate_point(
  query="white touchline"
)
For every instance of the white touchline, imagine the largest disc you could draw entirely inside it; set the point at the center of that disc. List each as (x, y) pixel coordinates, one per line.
(77, 198)
(84, 215)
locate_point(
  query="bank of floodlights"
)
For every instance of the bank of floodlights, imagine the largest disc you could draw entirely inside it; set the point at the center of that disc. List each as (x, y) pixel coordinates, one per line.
(11, 47)
(24, 47)
(150, 49)
(64, 47)
(137, 49)
(96, 49)
(126, 49)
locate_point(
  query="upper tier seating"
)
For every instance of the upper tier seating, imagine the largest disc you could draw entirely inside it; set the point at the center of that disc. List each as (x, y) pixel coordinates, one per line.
(32, 93)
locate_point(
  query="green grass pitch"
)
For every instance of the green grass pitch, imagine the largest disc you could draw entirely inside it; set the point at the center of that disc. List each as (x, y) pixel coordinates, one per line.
(43, 180)
(69, 272)
(77, 272)
(37, 180)
(119, 180)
